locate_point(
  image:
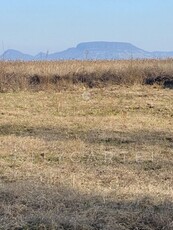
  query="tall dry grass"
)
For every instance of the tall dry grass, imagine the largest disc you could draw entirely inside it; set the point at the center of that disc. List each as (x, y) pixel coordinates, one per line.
(61, 75)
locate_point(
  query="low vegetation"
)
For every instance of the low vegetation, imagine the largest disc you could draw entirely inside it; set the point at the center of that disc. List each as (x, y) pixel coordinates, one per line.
(86, 154)
(65, 75)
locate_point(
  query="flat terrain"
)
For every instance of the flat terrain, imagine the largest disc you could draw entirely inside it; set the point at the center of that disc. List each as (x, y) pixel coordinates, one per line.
(90, 158)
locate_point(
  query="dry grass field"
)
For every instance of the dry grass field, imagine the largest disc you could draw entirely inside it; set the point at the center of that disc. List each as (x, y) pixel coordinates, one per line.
(86, 145)
(66, 75)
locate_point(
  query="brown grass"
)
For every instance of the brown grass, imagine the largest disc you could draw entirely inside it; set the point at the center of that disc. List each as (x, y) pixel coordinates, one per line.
(63, 75)
(89, 158)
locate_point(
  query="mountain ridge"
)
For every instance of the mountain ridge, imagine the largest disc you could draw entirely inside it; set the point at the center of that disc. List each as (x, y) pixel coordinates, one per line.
(97, 50)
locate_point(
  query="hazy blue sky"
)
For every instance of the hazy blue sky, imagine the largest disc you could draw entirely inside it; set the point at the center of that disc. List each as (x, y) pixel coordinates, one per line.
(39, 25)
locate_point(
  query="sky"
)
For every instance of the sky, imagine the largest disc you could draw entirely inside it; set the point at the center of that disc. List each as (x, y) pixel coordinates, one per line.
(32, 26)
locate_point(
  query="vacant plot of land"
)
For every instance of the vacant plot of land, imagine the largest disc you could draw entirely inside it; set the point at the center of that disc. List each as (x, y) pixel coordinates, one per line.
(87, 159)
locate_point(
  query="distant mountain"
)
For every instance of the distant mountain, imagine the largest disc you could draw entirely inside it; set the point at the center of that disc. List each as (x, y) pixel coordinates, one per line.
(15, 55)
(91, 51)
(101, 51)
(40, 56)
(162, 54)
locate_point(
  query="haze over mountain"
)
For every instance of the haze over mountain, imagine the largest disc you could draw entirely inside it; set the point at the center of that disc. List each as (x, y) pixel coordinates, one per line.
(91, 51)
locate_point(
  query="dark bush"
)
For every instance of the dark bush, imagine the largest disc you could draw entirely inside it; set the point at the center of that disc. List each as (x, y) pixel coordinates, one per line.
(55, 79)
(34, 80)
(165, 80)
